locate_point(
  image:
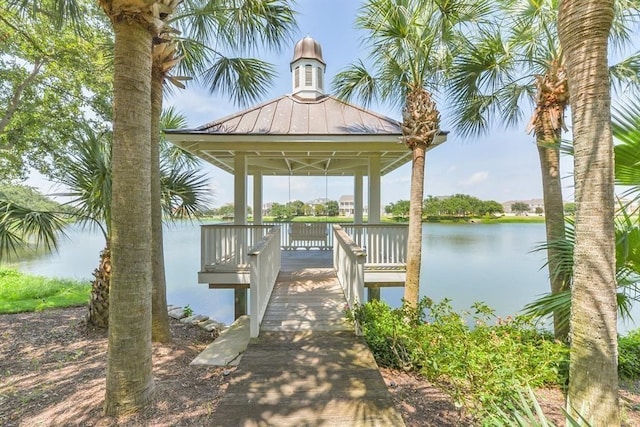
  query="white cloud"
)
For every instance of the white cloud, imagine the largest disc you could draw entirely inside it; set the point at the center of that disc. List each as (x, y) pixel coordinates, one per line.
(476, 178)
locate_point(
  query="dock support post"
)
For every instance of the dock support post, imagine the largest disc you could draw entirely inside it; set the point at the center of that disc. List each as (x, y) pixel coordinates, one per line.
(240, 302)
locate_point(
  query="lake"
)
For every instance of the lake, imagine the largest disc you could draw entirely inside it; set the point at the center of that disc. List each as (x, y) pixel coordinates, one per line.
(492, 263)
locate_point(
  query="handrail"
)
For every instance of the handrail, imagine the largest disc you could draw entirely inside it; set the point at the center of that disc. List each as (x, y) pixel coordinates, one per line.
(226, 245)
(265, 261)
(348, 262)
(385, 244)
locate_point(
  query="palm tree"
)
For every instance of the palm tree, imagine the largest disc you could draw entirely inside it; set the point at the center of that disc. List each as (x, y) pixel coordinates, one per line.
(583, 28)
(129, 378)
(499, 70)
(223, 24)
(412, 44)
(88, 180)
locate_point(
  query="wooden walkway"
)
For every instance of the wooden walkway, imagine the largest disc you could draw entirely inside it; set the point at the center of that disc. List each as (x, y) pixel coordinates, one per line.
(307, 368)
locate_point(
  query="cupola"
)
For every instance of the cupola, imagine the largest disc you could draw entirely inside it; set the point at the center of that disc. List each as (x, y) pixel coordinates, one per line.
(307, 70)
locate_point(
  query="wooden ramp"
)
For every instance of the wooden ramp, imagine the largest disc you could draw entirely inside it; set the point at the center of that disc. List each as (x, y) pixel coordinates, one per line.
(307, 368)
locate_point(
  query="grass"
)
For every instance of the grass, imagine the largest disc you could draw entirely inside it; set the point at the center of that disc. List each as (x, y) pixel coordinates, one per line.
(21, 292)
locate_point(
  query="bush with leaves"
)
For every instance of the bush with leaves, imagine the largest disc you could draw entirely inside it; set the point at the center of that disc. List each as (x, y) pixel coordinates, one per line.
(480, 360)
(629, 355)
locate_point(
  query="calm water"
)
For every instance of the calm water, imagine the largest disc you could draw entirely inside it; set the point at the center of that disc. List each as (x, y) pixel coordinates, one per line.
(463, 262)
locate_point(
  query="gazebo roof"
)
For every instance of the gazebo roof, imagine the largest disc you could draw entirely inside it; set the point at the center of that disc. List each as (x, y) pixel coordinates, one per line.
(305, 133)
(291, 136)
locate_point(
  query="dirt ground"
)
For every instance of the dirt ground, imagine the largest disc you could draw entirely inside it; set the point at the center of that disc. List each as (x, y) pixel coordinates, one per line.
(52, 373)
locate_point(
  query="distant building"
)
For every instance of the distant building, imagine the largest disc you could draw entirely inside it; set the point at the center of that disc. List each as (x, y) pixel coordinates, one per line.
(347, 207)
(266, 209)
(533, 204)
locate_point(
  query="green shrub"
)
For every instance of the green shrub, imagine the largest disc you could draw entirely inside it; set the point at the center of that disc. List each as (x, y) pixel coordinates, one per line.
(629, 355)
(480, 366)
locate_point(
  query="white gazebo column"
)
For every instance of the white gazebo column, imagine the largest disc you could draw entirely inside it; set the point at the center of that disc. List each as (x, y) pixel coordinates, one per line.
(240, 189)
(374, 190)
(357, 197)
(257, 198)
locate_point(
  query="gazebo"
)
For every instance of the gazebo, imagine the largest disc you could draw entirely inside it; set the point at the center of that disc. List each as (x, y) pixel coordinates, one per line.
(305, 133)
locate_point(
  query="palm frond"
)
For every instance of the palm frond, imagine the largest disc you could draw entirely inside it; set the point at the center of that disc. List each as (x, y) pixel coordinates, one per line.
(625, 75)
(238, 25)
(355, 82)
(185, 191)
(87, 177)
(172, 154)
(21, 228)
(244, 80)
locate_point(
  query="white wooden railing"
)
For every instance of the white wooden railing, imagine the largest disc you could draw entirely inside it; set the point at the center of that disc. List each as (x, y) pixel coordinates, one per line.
(264, 261)
(227, 245)
(348, 262)
(385, 244)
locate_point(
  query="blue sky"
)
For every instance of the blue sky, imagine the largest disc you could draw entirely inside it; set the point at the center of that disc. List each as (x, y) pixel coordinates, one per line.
(501, 166)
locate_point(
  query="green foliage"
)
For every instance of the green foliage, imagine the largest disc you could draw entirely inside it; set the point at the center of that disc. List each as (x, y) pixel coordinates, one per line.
(399, 210)
(23, 228)
(333, 208)
(188, 311)
(22, 292)
(570, 208)
(479, 366)
(28, 197)
(629, 355)
(460, 205)
(49, 85)
(520, 207)
(280, 212)
(525, 411)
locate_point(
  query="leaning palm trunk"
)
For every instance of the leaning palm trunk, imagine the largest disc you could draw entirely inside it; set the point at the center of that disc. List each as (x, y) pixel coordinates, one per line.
(593, 378)
(552, 96)
(99, 300)
(129, 385)
(160, 331)
(421, 123)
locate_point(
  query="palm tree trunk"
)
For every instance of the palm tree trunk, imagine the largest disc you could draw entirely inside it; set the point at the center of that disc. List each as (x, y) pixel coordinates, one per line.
(129, 385)
(160, 331)
(99, 300)
(414, 243)
(593, 378)
(554, 217)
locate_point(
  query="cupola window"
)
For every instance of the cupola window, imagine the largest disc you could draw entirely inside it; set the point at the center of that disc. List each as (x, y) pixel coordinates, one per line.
(308, 75)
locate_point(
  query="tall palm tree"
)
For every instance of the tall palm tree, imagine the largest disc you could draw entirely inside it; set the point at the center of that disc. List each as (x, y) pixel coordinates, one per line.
(583, 28)
(503, 70)
(230, 25)
(411, 44)
(129, 369)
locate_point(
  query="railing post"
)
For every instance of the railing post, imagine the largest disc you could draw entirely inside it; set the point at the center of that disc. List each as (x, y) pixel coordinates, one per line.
(255, 287)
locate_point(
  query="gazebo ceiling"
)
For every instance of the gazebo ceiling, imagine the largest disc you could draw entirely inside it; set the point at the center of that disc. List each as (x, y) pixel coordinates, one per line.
(300, 137)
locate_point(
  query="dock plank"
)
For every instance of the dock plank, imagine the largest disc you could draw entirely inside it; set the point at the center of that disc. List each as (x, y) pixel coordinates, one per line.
(307, 367)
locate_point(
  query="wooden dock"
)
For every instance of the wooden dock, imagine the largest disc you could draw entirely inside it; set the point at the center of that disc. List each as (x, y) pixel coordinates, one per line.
(307, 368)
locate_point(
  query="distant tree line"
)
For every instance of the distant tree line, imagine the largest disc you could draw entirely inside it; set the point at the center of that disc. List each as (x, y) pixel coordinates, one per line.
(458, 205)
(31, 198)
(286, 211)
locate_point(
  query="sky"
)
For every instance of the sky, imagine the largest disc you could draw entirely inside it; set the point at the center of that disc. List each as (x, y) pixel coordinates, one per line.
(501, 166)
